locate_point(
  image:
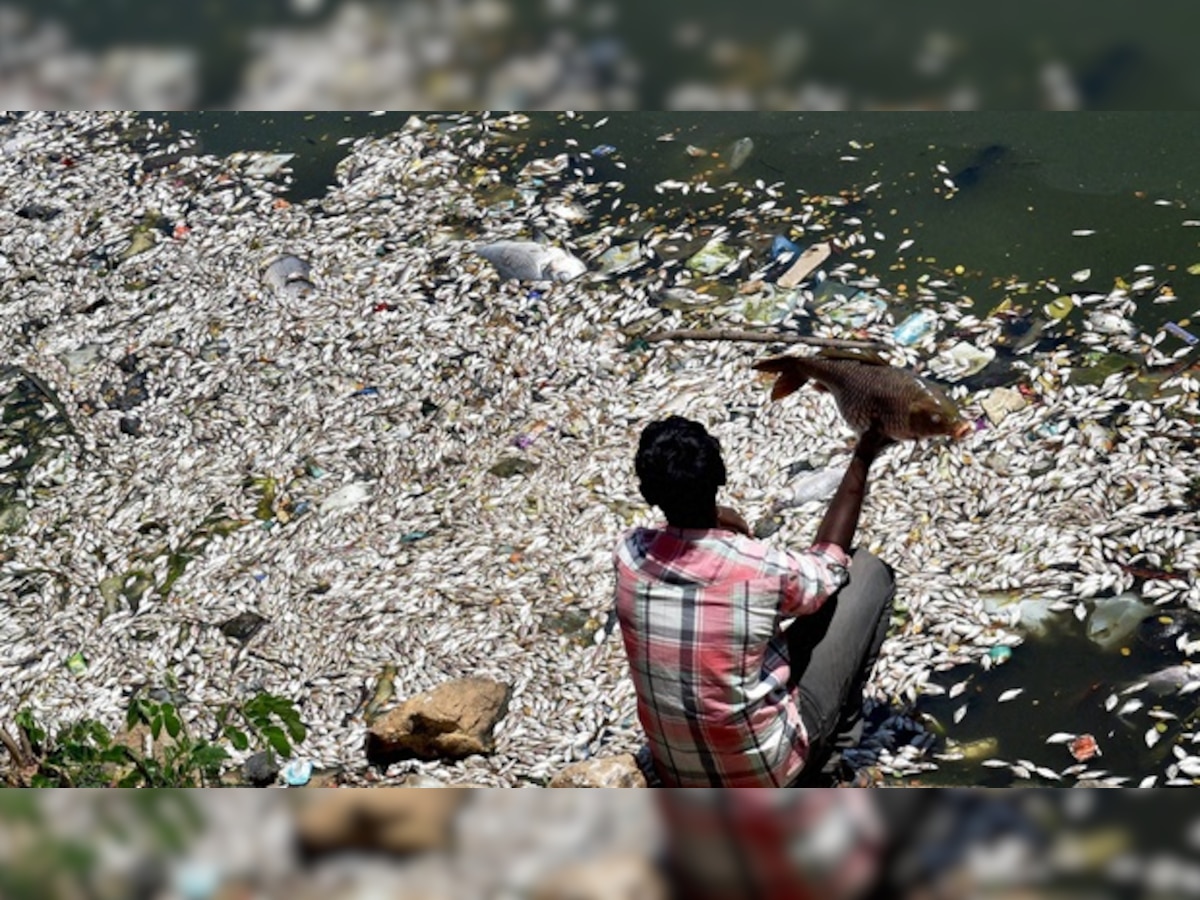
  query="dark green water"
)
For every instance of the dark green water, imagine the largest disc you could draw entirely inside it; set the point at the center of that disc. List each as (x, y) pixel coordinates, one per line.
(1026, 182)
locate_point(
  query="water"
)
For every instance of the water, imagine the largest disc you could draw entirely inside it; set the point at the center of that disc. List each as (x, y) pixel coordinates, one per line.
(1025, 183)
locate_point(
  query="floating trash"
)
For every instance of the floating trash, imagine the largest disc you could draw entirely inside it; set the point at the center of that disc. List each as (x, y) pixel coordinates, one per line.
(860, 310)
(807, 263)
(739, 152)
(915, 327)
(1183, 334)
(347, 497)
(616, 260)
(1084, 748)
(76, 664)
(541, 168)
(1000, 654)
(1000, 402)
(713, 257)
(1060, 307)
(298, 772)
(1115, 619)
(818, 486)
(961, 360)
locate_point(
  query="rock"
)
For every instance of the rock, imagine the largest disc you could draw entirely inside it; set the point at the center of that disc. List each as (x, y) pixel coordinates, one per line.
(1000, 402)
(453, 720)
(606, 772)
(608, 878)
(243, 626)
(261, 769)
(130, 425)
(396, 821)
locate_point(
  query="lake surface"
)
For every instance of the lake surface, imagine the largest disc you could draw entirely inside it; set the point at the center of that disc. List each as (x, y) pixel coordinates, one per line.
(1023, 183)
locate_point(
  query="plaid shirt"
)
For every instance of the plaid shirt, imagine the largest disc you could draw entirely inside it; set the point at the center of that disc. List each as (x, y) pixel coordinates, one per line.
(702, 613)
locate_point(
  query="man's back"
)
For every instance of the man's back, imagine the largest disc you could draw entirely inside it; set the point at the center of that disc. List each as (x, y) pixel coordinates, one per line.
(700, 613)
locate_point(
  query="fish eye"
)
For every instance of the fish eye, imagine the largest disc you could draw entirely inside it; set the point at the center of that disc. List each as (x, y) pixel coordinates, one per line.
(936, 417)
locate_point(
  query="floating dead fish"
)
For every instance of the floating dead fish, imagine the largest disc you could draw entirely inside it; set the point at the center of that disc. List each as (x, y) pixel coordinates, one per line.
(531, 261)
(288, 274)
(540, 168)
(695, 152)
(869, 391)
(1083, 232)
(1011, 694)
(261, 165)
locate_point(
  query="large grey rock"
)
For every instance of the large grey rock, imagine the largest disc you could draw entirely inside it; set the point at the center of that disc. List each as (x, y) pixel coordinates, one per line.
(605, 772)
(453, 720)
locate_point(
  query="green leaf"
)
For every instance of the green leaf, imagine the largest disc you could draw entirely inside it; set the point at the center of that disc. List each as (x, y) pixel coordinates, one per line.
(156, 724)
(133, 779)
(237, 737)
(171, 720)
(209, 756)
(296, 729)
(278, 740)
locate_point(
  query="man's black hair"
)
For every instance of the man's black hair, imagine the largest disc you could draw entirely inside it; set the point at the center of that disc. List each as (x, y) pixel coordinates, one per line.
(679, 469)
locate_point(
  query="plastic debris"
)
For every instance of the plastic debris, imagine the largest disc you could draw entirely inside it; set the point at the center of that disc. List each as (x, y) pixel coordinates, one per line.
(298, 772)
(1183, 334)
(346, 497)
(915, 327)
(712, 258)
(1000, 654)
(602, 150)
(740, 152)
(961, 360)
(621, 258)
(76, 664)
(530, 261)
(1084, 748)
(1000, 402)
(859, 310)
(782, 247)
(1060, 307)
(807, 263)
(1115, 619)
(818, 486)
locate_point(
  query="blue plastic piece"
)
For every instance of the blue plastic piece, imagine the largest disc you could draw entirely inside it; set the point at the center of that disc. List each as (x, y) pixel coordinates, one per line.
(782, 245)
(298, 772)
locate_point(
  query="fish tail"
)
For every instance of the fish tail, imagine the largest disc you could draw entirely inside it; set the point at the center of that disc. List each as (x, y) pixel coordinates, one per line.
(790, 379)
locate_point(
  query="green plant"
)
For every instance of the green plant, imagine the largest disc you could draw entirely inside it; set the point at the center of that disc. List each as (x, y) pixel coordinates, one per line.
(272, 719)
(85, 754)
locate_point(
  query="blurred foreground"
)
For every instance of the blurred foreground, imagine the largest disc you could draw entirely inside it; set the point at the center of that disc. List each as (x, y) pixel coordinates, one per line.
(613, 54)
(601, 844)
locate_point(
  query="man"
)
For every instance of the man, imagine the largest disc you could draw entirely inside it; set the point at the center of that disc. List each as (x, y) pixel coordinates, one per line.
(731, 691)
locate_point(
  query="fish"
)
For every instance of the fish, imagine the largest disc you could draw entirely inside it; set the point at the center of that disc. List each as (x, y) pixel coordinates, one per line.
(869, 391)
(531, 261)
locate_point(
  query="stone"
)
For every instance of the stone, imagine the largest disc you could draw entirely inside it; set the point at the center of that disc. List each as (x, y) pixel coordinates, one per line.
(605, 772)
(394, 821)
(452, 721)
(627, 876)
(261, 769)
(1000, 402)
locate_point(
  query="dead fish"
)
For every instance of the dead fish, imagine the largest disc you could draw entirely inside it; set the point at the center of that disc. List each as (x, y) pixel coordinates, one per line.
(531, 261)
(869, 391)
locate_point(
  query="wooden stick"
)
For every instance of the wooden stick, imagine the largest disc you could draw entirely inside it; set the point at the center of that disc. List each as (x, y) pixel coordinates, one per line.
(758, 337)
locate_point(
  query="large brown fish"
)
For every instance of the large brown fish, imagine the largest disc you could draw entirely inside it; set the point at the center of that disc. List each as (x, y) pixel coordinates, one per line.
(869, 391)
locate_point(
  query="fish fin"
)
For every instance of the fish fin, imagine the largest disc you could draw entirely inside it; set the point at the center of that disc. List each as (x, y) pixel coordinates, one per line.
(787, 383)
(867, 357)
(775, 364)
(787, 368)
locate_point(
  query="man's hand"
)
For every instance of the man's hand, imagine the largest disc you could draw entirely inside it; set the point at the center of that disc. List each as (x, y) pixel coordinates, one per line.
(728, 517)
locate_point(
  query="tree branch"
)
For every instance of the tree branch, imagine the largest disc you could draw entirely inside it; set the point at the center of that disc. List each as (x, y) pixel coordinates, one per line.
(757, 337)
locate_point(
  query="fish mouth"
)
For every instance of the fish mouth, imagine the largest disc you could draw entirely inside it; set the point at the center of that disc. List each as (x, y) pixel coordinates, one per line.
(961, 430)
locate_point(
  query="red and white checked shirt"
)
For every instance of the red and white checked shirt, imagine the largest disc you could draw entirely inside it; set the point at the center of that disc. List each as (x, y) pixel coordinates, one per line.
(702, 614)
